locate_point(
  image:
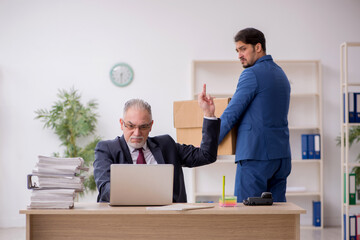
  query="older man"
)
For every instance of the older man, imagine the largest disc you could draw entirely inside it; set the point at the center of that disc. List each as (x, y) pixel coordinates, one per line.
(136, 147)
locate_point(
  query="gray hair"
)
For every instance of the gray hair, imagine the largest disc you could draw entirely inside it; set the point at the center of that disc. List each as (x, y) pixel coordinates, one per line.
(139, 104)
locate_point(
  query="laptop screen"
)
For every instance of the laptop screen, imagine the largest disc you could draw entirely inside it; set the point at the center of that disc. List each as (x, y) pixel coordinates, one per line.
(141, 184)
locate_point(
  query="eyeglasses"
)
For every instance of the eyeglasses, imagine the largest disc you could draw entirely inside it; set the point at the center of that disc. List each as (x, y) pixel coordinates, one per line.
(143, 127)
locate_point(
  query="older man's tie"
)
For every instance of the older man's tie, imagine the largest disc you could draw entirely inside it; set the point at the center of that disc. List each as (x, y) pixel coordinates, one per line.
(140, 159)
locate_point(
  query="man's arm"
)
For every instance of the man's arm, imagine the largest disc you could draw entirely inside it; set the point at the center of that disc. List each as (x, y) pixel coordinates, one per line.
(244, 94)
(207, 153)
(102, 163)
(191, 156)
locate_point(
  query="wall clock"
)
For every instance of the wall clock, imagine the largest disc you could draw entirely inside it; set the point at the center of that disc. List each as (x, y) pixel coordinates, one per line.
(121, 74)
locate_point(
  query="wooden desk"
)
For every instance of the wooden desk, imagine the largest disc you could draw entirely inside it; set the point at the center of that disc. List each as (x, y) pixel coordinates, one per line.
(100, 221)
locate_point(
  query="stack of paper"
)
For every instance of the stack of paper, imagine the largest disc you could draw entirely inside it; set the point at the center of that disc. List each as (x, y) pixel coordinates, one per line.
(52, 198)
(60, 181)
(54, 182)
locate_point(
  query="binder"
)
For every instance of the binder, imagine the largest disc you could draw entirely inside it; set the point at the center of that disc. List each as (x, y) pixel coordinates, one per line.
(352, 227)
(317, 146)
(357, 106)
(351, 107)
(345, 187)
(311, 146)
(304, 146)
(345, 226)
(352, 189)
(357, 227)
(316, 213)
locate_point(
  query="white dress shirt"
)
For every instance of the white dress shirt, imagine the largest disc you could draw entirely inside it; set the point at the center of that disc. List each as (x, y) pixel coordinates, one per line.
(149, 157)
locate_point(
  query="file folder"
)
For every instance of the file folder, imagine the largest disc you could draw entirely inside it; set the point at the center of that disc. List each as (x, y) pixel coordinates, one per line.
(352, 227)
(317, 146)
(345, 226)
(352, 189)
(357, 107)
(351, 107)
(316, 213)
(304, 146)
(357, 227)
(311, 146)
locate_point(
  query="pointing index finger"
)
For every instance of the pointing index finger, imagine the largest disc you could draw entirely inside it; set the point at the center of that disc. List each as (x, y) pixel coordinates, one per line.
(204, 89)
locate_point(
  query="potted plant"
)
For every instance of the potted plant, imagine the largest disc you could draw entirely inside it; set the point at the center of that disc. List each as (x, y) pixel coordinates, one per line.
(71, 120)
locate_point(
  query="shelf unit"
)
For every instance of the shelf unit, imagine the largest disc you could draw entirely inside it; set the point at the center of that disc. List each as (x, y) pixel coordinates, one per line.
(305, 117)
(211, 189)
(347, 165)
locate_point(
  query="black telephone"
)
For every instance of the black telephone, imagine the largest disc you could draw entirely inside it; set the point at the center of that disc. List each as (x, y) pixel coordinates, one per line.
(265, 199)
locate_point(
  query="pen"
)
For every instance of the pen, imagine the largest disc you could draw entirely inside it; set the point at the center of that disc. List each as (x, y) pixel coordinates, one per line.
(223, 192)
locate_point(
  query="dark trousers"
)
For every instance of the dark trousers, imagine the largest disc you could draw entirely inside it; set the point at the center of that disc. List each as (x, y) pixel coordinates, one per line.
(254, 177)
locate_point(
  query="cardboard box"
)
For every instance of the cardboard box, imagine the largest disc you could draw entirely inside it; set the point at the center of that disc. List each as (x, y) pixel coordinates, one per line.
(188, 120)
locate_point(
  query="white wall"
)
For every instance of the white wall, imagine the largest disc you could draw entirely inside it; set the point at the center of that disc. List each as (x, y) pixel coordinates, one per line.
(50, 45)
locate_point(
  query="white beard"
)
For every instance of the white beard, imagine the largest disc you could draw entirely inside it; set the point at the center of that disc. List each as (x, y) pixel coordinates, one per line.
(136, 144)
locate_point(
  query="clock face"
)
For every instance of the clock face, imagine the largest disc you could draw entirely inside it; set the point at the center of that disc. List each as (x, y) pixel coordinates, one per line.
(121, 74)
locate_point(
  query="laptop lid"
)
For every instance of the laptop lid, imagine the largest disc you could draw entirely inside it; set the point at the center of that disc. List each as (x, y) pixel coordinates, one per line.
(141, 184)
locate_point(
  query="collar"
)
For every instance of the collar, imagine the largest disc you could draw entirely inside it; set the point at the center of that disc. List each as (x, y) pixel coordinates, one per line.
(264, 58)
(151, 145)
(144, 147)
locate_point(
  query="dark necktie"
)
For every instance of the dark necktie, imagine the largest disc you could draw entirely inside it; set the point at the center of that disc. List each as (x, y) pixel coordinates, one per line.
(140, 159)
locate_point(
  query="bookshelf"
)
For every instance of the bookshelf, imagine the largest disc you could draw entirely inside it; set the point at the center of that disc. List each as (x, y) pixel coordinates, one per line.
(305, 117)
(347, 84)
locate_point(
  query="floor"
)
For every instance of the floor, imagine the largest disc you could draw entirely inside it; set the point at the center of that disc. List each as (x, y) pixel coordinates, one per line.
(331, 233)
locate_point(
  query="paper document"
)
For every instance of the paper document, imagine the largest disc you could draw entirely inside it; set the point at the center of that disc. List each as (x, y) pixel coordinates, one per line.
(179, 207)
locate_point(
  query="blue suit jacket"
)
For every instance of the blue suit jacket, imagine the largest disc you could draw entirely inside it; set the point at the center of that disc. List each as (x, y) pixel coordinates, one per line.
(165, 151)
(259, 107)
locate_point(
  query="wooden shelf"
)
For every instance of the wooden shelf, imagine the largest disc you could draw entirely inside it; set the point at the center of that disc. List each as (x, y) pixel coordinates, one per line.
(224, 161)
(226, 158)
(299, 194)
(307, 161)
(351, 84)
(304, 128)
(344, 128)
(351, 124)
(208, 194)
(299, 95)
(351, 165)
(309, 227)
(348, 205)
(350, 44)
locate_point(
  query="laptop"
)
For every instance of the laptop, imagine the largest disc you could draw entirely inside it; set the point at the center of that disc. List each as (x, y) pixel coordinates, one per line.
(141, 184)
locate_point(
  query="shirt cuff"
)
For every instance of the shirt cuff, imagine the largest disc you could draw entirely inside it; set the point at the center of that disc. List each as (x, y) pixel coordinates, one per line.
(210, 118)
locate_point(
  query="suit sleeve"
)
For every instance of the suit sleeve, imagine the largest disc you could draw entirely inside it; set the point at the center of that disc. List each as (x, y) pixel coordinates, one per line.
(244, 94)
(102, 163)
(191, 156)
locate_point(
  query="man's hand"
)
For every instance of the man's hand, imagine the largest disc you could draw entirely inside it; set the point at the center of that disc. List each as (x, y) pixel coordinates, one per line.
(206, 103)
